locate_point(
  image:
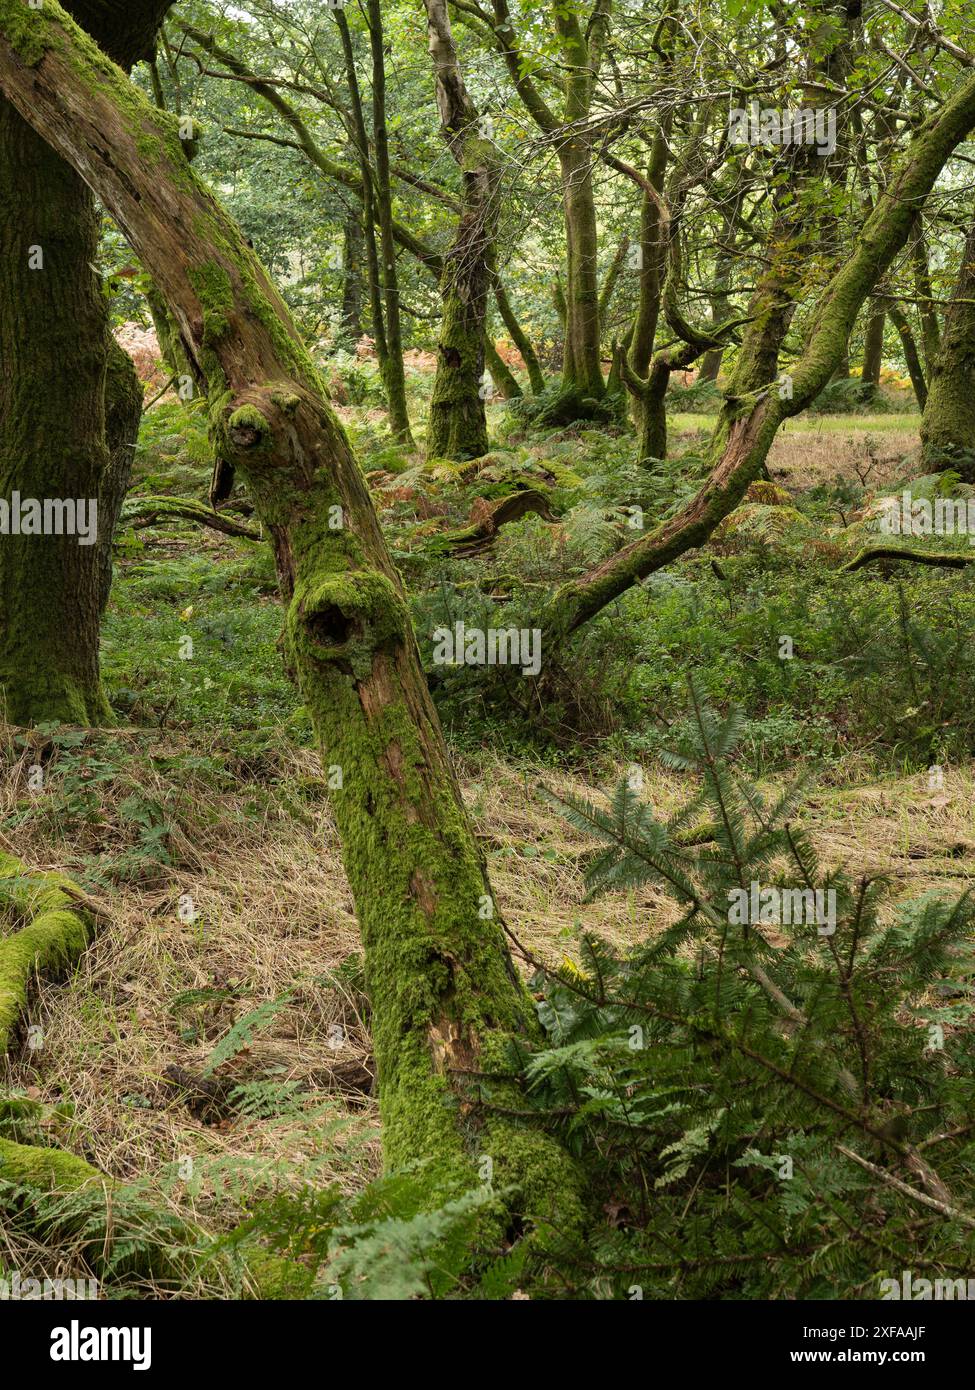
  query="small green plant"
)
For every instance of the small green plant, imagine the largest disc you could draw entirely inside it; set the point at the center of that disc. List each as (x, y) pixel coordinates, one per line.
(765, 1110)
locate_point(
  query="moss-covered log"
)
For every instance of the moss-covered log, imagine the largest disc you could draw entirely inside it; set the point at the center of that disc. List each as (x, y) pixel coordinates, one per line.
(441, 980)
(53, 934)
(940, 559)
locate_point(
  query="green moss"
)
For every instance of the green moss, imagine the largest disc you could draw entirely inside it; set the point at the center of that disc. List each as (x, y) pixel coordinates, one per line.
(26, 1165)
(213, 288)
(249, 417)
(53, 938)
(26, 30)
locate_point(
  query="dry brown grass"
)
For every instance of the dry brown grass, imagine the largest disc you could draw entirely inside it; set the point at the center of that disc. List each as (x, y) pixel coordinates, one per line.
(819, 452)
(275, 915)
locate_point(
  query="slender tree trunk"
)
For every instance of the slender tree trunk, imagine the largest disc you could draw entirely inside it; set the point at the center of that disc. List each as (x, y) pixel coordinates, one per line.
(353, 251)
(370, 213)
(583, 387)
(653, 259)
(395, 375)
(521, 340)
(123, 416)
(582, 373)
(458, 422)
(873, 345)
(927, 310)
(720, 295)
(443, 988)
(948, 422)
(912, 357)
(501, 374)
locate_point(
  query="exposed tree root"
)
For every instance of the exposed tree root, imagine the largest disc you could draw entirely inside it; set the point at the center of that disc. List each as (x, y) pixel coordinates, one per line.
(145, 511)
(946, 559)
(490, 517)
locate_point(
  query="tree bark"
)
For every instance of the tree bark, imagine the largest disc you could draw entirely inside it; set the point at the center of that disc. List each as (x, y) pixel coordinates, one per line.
(62, 385)
(54, 346)
(873, 345)
(123, 416)
(583, 387)
(442, 984)
(394, 373)
(353, 249)
(458, 422)
(369, 210)
(948, 422)
(536, 377)
(912, 357)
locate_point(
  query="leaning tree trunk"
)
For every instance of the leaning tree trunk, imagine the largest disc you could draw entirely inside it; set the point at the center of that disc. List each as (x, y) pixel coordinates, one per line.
(948, 422)
(458, 423)
(62, 386)
(912, 357)
(442, 984)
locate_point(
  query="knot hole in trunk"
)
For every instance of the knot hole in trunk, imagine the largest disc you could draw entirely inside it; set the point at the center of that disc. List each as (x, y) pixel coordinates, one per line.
(330, 627)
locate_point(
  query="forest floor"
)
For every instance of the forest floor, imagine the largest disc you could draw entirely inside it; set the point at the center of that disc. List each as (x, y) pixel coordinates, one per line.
(208, 793)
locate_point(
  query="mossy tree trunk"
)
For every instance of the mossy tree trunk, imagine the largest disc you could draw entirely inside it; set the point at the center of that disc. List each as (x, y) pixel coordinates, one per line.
(353, 251)
(873, 344)
(458, 422)
(521, 340)
(582, 44)
(948, 422)
(68, 416)
(123, 415)
(369, 210)
(440, 977)
(54, 344)
(912, 357)
(926, 306)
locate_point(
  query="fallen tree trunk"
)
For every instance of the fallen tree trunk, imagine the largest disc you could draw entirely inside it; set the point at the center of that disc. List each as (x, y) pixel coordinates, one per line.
(443, 987)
